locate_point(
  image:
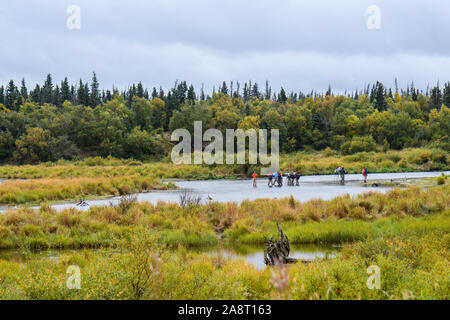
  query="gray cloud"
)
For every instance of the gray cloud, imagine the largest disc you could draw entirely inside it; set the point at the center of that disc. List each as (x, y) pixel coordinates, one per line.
(301, 45)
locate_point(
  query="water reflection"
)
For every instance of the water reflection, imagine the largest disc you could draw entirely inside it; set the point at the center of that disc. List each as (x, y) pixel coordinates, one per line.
(253, 254)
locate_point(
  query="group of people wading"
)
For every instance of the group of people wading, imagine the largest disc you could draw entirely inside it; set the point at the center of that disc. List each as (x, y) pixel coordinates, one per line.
(276, 179)
(342, 172)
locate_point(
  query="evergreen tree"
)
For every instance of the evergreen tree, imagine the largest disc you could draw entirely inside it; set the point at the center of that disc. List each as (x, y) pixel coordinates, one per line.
(11, 96)
(413, 92)
(57, 97)
(268, 91)
(24, 90)
(2, 95)
(65, 90)
(108, 96)
(202, 94)
(140, 90)
(255, 91)
(73, 95)
(86, 96)
(95, 93)
(224, 88)
(282, 96)
(36, 94)
(154, 93)
(47, 90)
(238, 90)
(435, 98)
(446, 95)
(245, 94)
(247, 109)
(378, 97)
(191, 97)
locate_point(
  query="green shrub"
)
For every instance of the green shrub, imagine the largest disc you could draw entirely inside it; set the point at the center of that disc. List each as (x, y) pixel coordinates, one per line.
(31, 231)
(5, 233)
(359, 144)
(36, 243)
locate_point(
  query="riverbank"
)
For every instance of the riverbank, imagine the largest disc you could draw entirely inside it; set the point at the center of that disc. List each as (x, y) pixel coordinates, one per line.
(411, 267)
(94, 177)
(142, 249)
(317, 221)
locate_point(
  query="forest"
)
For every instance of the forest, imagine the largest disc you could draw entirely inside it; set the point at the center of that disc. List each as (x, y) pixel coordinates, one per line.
(75, 121)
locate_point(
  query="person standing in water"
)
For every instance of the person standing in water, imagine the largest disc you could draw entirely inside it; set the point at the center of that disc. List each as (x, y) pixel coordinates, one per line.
(280, 179)
(364, 173)
(297, 178)
(341, 172)
(270, 177)
(254, 176)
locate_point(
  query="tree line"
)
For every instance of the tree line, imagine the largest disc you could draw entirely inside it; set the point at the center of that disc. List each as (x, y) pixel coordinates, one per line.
(66, 121)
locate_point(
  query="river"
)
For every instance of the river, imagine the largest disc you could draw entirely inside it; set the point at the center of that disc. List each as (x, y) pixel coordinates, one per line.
(325, 187)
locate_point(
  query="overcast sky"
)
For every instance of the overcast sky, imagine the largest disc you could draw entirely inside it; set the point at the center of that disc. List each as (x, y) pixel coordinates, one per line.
(297, 44)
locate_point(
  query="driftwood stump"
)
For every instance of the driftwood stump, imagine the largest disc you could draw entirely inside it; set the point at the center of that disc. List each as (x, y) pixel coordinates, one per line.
(277, 252)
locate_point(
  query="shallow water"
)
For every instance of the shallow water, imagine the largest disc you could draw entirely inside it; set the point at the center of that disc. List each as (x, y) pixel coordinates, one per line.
(250, 253)
(255, 254)
(325, 187)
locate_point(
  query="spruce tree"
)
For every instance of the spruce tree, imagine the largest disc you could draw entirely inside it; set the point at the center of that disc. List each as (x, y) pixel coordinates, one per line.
(57, 97)
(24, 90)
(378, 97)
(224, 88)
(446, 95)
(154, 93)
(248, 111)
(202, 94)
(140, 90)
(80, 93)
(282, 96)
(108, 95)
(65, 90)
(47, 90)
(413, 92)
(435, 98)
(95, 93)
(11, 96)
(36, 94)
(191, 97)
(87, 95)
(2, 95)
(268, 91)
(245, 93)
(255, 91)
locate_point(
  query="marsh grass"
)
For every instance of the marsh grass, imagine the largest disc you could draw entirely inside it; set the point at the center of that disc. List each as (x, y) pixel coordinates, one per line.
(93, 177)
(54, 189)
(413, 267)
(342, 219)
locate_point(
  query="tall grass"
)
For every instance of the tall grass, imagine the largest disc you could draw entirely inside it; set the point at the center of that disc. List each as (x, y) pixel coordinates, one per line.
(64, 180)
(51, 189)
(411, 268)
(339, 220)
